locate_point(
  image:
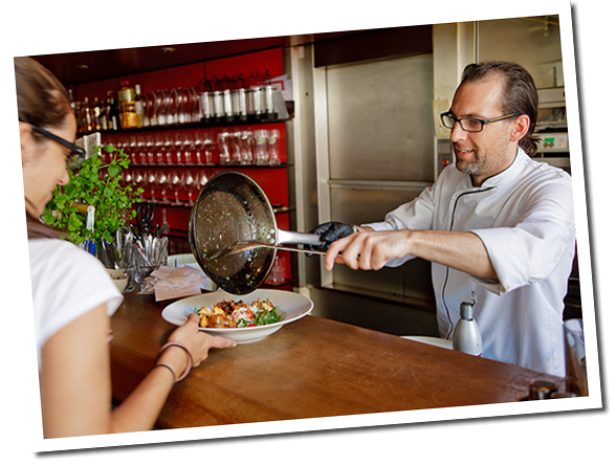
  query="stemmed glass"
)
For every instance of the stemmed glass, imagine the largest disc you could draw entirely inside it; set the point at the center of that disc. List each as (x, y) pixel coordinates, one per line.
(126, 177)
(140, 153)
(158, 109)
(148, 110)
(198, 145)
(168, 146)
(188, 187)
(161, 185)
(178, 142)
(150, 145)
(209, 147)
(188, 147)
(150, 185)
(159, 143)
(131, 146)
(107, 140)
(176, 182)
(201, 180)
(138, 178)
(122, 143)
(173, 100)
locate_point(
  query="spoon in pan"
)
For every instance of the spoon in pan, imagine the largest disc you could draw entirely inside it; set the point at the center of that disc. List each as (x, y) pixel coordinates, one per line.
(248, 245)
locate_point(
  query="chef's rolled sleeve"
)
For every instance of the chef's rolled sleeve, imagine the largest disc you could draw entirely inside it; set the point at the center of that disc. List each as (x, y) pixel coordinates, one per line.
(530, 251)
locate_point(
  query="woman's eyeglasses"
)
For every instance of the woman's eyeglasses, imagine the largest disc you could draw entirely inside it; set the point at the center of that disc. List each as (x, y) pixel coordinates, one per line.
(77, 154)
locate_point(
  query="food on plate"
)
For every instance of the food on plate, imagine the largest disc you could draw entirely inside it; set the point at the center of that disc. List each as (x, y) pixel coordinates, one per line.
(238, 314)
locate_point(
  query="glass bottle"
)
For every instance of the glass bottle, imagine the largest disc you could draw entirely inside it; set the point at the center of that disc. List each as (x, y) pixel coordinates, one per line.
(113, 116)
(126, 103)
(87, 116)
(139, 106)
(96, 115)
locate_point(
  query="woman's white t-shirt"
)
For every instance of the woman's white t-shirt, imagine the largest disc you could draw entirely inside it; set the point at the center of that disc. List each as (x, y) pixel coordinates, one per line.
(67, 282)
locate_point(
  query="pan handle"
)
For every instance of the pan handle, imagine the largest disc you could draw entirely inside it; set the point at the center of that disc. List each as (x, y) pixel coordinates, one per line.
(292, 237)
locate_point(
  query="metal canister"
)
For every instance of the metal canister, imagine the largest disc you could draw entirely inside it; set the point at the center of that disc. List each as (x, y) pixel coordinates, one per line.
(239, 104)
(206, 104)
(227, 105)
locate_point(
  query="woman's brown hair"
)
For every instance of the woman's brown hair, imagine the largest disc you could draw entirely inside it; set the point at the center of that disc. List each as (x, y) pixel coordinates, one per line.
(43, 101)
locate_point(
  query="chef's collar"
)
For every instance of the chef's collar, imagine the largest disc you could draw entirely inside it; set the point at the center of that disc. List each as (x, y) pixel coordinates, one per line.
(509, 173)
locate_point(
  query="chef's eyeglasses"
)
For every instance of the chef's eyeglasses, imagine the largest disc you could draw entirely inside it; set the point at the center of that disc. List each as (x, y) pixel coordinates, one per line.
(472, 125)
(77, 154)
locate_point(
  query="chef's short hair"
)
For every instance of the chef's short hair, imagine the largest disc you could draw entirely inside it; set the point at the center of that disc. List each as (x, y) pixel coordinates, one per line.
(519, 93)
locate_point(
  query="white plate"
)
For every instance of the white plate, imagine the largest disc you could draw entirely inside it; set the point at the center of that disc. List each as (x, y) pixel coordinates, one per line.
(292, 306)
(434, 341)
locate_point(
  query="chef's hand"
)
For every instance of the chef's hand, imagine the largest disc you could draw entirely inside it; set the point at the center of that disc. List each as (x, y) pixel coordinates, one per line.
(330, 232)
(369, 250)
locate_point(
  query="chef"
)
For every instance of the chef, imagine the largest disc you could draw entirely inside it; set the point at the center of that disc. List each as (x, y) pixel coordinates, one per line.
(497, 226)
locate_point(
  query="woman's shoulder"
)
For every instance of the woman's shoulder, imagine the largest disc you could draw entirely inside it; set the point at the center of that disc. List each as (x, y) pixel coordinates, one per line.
(62, 258)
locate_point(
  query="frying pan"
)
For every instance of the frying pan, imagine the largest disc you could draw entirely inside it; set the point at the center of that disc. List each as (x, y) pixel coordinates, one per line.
(232, 209)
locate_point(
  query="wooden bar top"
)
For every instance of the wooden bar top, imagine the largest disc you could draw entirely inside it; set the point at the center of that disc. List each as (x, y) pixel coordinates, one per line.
(310, 368)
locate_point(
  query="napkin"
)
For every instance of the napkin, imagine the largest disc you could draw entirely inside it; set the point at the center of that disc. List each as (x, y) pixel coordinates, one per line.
(174, 282)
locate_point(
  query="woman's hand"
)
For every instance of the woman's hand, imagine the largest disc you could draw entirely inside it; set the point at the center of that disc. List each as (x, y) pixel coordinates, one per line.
(197, 342)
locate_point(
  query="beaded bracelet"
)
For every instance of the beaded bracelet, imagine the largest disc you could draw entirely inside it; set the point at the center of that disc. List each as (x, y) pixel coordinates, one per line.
(190, 359)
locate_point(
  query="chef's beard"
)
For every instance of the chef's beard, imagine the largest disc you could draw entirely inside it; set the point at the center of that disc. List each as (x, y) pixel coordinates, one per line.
(472, 166)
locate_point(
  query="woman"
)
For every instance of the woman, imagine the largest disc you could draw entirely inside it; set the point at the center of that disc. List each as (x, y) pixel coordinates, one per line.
(73, 296)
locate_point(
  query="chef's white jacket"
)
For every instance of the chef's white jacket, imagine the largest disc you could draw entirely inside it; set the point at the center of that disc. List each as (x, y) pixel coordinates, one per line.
(524, 216)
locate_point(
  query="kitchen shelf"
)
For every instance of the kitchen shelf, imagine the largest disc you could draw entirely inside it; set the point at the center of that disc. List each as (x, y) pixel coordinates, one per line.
(215, 166)
(201, 125)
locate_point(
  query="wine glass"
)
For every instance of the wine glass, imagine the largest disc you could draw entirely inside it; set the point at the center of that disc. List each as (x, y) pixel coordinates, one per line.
(150, 184)
(159, 143)
(158, 116)
(178, 142)
(138, 179)
(140, 153)
(132, 145)
(126, 177)
(208, 148)
(177, 179)
(172, 106)
(198, 145)
(201, 179)
(188, 143)
(188, 187)
(148, 153)
(168, 147)
(148, 105)
(194, 105)
(160, 187)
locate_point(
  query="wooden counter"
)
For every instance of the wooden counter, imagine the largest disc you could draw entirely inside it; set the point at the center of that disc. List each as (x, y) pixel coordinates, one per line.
(313, 367)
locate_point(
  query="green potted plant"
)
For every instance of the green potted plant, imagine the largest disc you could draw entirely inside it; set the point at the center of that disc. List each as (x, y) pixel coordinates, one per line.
(94, 184)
